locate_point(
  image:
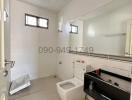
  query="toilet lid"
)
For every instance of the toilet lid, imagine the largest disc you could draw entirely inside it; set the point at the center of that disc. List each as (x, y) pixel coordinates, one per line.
(79, 70)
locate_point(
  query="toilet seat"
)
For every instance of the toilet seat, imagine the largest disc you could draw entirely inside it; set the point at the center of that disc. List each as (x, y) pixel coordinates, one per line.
(67, 85)
(73, 92)
(76, 82)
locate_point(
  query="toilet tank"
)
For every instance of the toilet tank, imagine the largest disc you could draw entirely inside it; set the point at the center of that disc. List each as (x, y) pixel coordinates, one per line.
(79, 70)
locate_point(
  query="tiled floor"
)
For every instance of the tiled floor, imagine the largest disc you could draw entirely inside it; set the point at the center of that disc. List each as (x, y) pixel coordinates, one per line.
(41, 89)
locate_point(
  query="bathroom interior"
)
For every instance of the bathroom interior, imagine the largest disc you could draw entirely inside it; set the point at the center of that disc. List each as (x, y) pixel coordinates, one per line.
(67, 50)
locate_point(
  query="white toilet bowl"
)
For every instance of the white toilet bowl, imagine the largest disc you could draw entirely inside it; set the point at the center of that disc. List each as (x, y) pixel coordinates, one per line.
(72, 89)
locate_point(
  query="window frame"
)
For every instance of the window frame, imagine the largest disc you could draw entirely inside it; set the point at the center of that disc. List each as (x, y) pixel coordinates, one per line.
(37, 23)
(74, 26)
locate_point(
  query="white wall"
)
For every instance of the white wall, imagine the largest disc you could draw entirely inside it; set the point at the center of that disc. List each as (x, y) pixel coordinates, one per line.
(104, 32)
(65, 70)
(76, 9)
(25, 42)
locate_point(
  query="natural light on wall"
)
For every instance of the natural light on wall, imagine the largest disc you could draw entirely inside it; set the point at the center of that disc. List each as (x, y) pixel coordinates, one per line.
(91, 31)
(60, 24)
(67, 28)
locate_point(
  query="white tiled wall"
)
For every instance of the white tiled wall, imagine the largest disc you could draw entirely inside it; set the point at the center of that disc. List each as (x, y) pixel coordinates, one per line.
(26, 41)
(65, 70)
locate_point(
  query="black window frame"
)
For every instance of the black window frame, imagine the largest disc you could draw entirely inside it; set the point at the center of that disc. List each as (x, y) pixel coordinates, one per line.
(37, 17)
(74, 26)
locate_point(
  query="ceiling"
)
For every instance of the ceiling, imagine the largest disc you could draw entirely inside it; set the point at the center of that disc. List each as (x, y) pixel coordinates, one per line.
(114, 4)
(54, 5)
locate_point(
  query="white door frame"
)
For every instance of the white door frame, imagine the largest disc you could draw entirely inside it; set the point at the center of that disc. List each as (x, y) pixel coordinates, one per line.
(3, 91)
(2, 53)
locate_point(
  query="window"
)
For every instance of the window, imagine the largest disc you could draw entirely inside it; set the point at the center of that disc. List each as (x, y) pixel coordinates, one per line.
(43, 22)
(30, 20)
(35, 21)
(74, 29)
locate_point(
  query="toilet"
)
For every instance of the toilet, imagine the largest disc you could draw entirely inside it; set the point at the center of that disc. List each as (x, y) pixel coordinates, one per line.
(72, 89)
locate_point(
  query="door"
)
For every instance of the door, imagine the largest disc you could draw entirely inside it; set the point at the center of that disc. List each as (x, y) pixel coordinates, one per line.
(5, 63)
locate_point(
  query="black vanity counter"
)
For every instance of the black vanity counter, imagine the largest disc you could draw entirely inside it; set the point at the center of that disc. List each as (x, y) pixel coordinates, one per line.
(99, 89)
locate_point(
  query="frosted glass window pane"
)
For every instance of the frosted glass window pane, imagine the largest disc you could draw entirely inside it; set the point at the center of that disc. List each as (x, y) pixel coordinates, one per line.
(43, 22)
(31, 20)
(74, 29)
